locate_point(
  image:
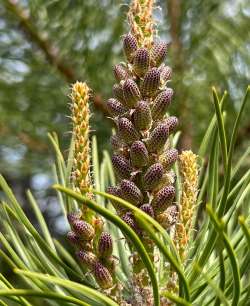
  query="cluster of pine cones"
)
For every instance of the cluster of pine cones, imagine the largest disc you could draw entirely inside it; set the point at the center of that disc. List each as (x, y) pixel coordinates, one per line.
(95, 253)
(143, 156)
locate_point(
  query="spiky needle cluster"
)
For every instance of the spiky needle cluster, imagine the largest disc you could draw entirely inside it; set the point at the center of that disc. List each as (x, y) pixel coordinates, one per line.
(94, 247)
(143, 156)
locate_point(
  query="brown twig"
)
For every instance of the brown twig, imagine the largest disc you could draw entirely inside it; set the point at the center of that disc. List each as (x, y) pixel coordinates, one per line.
(50, 51)
(31, 142)
(175, 18)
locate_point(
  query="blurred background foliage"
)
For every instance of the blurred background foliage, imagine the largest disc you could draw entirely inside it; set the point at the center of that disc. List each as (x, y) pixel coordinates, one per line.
(45, 45)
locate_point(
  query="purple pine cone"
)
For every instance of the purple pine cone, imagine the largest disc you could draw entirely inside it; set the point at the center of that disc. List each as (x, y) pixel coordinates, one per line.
(142, 116)
(163, 198)
(120, 72)
(116, 143)
(121, 166)
(115, 107)
(158, 137)
(127, 130)
(161, 103)
(131, 93)
(105, 245)
(73, 238)
(130, 220)
(118, 93)
(139, 154)
(172, 122)
(116, 191)
(169, 158)
(102, 276)
(129, 46)
(151, 83)
(141, 61)
(87, 258)
(84, 230)
(131, 192)
(74, 216)
(166, 73)
(153, 176)
(159, 52)
(148, 209)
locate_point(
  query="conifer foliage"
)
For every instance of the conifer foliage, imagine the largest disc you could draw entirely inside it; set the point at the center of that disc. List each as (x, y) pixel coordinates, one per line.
(148, 226)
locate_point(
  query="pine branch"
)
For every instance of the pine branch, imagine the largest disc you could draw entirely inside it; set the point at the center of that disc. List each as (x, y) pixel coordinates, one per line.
(50, 51)
(31, 142)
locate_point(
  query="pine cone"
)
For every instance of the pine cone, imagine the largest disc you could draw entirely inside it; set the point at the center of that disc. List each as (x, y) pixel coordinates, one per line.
(102, 276)
(105, 245)
(84, 230)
